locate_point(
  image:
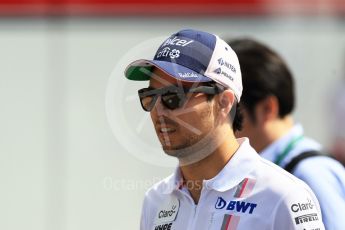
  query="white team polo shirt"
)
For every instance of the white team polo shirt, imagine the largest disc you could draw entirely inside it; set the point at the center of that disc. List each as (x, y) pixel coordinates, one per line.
(248, 193)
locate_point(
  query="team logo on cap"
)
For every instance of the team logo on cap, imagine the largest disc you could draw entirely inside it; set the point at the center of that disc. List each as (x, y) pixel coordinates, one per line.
(174, 53)
(164, 52)
(167, 52)
(221, 62)
(177, 42)
(188, 75)
(218, 71)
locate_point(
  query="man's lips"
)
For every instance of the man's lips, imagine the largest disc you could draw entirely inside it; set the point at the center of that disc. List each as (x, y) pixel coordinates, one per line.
(165, 125)
(166, 130)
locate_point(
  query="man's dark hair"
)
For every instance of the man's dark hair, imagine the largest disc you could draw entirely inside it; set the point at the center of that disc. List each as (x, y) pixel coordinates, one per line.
(235, 115)
(264, 74)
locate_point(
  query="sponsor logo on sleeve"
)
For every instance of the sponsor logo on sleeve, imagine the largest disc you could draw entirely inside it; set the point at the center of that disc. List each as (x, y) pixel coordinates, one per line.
(236, 206)
(297, 207)
(306, 218)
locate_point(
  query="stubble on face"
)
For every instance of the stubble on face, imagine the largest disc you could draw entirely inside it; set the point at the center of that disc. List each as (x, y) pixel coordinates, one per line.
(191, 136)
(193, 129)
(196, 147)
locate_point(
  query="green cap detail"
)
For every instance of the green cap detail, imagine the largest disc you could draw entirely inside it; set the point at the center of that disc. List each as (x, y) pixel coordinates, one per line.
(138, 73)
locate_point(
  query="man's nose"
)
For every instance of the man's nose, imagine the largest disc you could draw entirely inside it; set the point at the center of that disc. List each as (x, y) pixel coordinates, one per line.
(159, 107)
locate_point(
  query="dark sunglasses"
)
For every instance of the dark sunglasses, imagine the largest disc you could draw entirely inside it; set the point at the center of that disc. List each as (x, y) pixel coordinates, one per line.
(173, 97)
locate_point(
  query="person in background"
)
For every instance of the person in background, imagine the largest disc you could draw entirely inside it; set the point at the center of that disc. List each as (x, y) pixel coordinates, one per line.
(337, 118)
(267, 102)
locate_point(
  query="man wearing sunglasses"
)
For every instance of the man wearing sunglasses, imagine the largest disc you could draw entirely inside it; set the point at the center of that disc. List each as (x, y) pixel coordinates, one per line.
(221, 183)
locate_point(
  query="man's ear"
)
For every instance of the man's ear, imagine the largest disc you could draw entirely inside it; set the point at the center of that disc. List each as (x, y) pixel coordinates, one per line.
(225, 102)
(267, 109)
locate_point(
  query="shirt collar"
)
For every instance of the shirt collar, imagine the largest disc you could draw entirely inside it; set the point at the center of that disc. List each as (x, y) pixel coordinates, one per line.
(272, 151)
(238, 167)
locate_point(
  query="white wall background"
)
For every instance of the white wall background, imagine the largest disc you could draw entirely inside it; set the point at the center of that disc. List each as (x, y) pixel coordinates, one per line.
(61, 166)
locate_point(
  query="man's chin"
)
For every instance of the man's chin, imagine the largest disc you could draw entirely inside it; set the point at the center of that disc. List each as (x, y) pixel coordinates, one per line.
(169, 148)
(185, 154)
(193, 151)
(174, 151)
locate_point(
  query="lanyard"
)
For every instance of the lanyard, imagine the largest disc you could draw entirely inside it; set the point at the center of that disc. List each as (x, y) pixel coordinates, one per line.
(287, 149)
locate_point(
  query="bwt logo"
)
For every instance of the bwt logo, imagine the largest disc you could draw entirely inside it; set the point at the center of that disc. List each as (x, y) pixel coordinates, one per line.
(165, 213)
(238, 206)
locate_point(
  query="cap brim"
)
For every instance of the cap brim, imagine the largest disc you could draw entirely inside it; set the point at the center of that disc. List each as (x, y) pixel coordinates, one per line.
(141, 70)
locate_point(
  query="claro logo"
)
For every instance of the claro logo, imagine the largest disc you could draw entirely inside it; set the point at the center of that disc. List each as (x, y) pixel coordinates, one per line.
(167, 213)
(302, 206)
